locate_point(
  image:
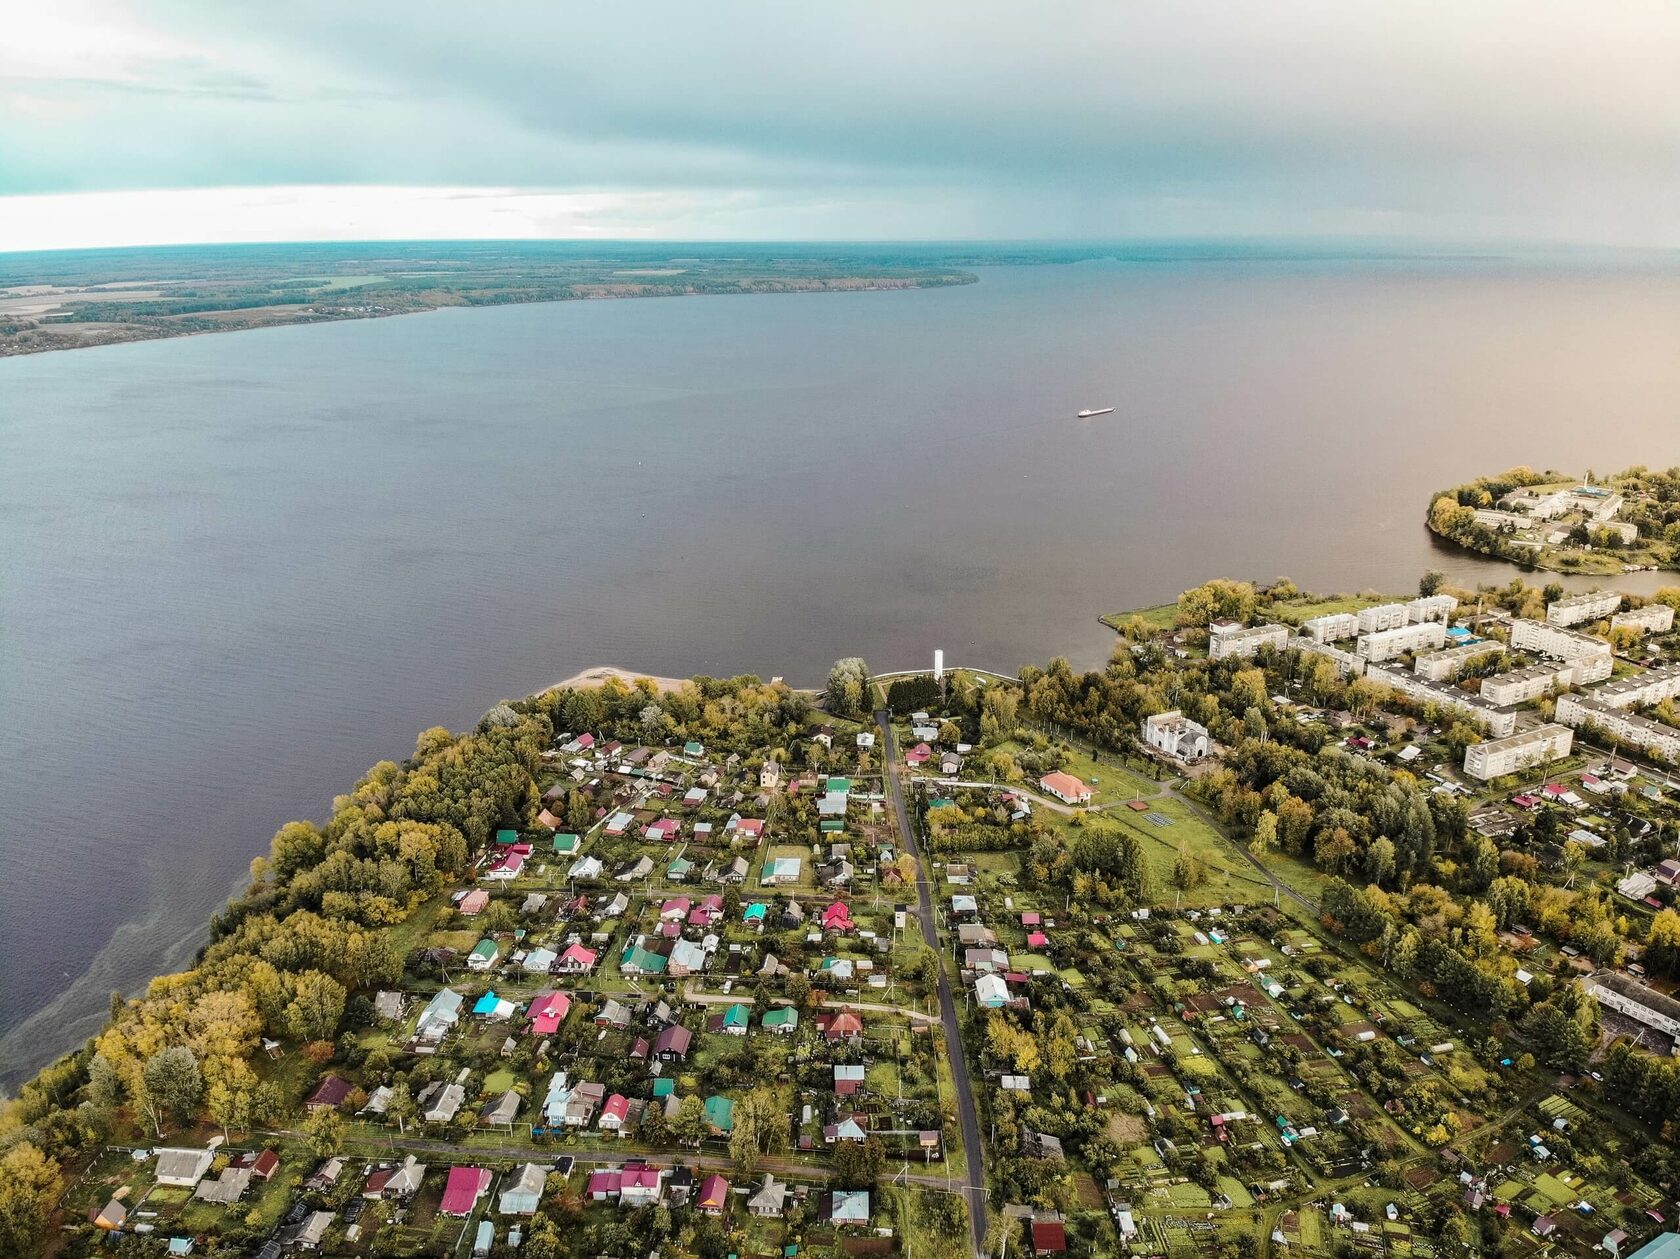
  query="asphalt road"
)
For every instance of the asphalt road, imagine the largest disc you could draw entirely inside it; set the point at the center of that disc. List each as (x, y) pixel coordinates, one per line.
(967, 1115)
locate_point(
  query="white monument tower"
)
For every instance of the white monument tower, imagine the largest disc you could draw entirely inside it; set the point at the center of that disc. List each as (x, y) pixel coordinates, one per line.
(939, 664)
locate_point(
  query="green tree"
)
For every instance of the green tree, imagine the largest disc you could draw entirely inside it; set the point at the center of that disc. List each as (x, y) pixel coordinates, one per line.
(401, 1106)
(848, 686)
(28, 1188)
(688, 1125)
(316, 1007)
(858, 1164)
(1431, 582)
(171, 1085)
(323, 1132)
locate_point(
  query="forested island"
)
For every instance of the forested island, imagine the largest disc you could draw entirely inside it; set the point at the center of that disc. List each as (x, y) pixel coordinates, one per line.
(1628, 522)
(1243, 935)
(74, 299)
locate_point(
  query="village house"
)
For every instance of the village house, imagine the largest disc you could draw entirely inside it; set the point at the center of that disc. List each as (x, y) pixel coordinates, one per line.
(638, 1185)
(1065, 787)
(329, 1094)
(523, 1191)
(714, 1195)
(576, 960)
(395, 1183)
(768, 1200)
(466, 1185)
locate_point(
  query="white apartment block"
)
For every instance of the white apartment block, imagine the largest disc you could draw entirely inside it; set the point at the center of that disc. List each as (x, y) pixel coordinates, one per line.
(1230, 639)
(1595, 605)
(1500, 520)
(1346, 662)
(1385, 616)
(1643, 733)
(1518, 686)
(1642, 689)
(1176, 735)
(1389, 643)
(1449, 662)
(1331, 627)
(1497, 721)
(1599, 505)
(1431, 608)
(1516, 752)
(1552, 640)
(1626, 995)
(1653, 618)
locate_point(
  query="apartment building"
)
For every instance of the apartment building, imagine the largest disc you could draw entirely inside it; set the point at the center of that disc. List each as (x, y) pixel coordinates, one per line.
(1495, 758)
(1385, 616)
(1431, 608)
(1449, 662)
(1389, 643)
(1642, 689)
(1330, 627)
(1497, 721)
(1653, 618)
(1228, 638)
(1553, 640)
(1595, 605)
(1649, 736)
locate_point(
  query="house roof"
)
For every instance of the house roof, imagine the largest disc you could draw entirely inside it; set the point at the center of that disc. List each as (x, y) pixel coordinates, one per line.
(844, 1023)
(329, 1092)
(1063, 784)
(720, 1112)
(465, 1186)
(1049, 1237)
(714, 1191)
(577, 955)
(674, 1039)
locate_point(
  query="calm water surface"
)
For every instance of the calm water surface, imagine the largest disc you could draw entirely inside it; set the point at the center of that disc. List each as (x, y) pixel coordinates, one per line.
(236, 570)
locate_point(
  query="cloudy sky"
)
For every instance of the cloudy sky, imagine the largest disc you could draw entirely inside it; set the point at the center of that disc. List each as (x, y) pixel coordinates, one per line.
(1489, 121)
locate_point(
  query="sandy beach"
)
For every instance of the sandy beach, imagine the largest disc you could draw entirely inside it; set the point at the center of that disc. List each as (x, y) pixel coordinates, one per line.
(598, 675)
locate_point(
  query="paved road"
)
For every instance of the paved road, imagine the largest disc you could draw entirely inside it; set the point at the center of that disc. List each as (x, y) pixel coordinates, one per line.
(966, 1113)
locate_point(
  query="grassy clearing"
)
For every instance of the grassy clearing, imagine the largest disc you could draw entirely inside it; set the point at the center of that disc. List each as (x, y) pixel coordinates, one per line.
(1160, 617)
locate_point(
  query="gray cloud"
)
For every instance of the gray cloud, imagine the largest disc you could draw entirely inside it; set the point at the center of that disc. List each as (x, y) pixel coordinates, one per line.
(1493, 120)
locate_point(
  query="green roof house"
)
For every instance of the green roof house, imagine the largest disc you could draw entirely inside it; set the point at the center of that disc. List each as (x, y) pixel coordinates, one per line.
(635, 960)
(839, 786)
(694, 748)
(737, 1015)
(483, 956)
(566, 845)
(784, 1019)
(720, 1114)
(664, 1086)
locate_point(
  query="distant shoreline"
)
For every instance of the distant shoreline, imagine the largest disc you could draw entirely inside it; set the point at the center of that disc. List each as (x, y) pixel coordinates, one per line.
(43, 339)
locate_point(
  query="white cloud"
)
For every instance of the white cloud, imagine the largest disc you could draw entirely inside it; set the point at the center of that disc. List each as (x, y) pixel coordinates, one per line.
(327, 212)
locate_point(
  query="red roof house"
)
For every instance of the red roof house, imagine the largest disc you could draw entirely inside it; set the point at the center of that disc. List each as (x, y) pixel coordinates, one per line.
(465, 1187)
(547, 1011)
(1066, 788)
(714, 1195)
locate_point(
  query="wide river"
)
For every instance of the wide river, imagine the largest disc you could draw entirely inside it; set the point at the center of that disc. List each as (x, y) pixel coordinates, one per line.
(236, 570)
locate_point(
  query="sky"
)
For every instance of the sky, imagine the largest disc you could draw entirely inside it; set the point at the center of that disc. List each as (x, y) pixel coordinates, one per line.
(177, 121)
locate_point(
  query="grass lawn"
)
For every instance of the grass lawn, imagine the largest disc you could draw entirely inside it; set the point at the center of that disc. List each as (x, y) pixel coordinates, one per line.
(1160, 617)
(1296, 611)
